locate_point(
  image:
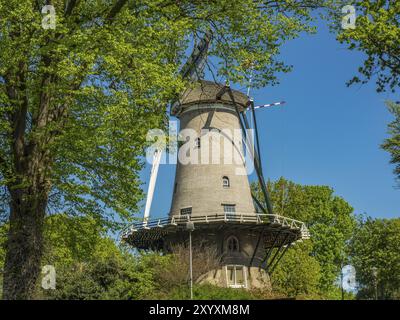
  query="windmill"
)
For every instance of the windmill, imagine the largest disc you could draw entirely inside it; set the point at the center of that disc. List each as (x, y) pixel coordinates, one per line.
(216, 201)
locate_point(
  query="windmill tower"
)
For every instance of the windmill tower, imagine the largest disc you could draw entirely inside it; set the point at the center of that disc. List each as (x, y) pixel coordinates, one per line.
(212, 192)
(214, 185)
(215, 180)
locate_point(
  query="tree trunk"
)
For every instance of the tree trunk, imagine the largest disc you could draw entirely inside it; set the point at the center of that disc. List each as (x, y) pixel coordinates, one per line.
(24, 244)
(30, 183)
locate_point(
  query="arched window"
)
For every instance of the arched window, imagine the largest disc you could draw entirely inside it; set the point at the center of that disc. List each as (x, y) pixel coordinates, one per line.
(225, 182)
(232, 244)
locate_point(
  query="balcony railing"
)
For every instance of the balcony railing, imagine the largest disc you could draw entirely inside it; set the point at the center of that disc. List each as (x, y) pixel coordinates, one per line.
(245, 218)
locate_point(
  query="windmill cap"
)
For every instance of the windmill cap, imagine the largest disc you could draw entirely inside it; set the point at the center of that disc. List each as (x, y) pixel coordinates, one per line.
(205, 92)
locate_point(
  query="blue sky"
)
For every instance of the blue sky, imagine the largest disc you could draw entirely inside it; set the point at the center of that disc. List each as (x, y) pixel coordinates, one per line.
(326, 134)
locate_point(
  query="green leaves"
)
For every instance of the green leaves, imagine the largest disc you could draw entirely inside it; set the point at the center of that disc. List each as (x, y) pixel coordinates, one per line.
(84, 95)
(88, 264)
(92, 91)
(249, 34)
(376, 245)
(298, 273)
(392, 144)
(331, 223)
(377, 34)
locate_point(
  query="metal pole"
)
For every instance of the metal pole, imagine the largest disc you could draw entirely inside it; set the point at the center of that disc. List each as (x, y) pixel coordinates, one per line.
(341, 281)
(190, 228)
(191, 265)
(375, 274)
(253, 113)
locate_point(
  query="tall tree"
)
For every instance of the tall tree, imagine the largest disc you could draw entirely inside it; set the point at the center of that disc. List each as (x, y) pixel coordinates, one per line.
(330, 220)
(76, 101)
(75, 105)
(377, 34)
(392, 144)
(375, 255)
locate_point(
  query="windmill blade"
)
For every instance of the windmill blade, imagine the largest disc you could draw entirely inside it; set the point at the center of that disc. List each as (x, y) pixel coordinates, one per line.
(243, 122)
(253, 113)
(270, 105)
(195, 64)
(152, 184)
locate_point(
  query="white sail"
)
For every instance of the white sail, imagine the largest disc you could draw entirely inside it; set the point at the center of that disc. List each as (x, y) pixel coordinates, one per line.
(152, 184)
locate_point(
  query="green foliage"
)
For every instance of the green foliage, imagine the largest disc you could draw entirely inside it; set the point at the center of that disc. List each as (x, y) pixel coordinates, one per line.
(68, 240)
(88, 264)
(329, 219)
(392, 144)
(376, 245)
(86, 93)
(115, 276)
(376, 34)
(298, 273)
(3, 236)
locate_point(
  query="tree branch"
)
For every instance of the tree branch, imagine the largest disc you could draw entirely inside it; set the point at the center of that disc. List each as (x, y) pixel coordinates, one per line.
(116, 9)
(17, 94)
(70, 7)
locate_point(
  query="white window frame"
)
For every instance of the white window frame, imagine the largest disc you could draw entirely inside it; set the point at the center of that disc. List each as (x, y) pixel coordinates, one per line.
(186, 214)
(235, 285)
(229, 205)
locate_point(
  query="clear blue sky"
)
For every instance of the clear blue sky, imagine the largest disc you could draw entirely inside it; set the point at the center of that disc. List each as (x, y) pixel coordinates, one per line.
(326, 134)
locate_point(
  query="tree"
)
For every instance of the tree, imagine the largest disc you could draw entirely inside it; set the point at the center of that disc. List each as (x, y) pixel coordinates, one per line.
(110, 274)
(377, 34)
(330, 221)
(171, 271)
(76, 101)
(375, 255)
(298, 273)
(88, 264)
(392, 144)
(68, 100)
